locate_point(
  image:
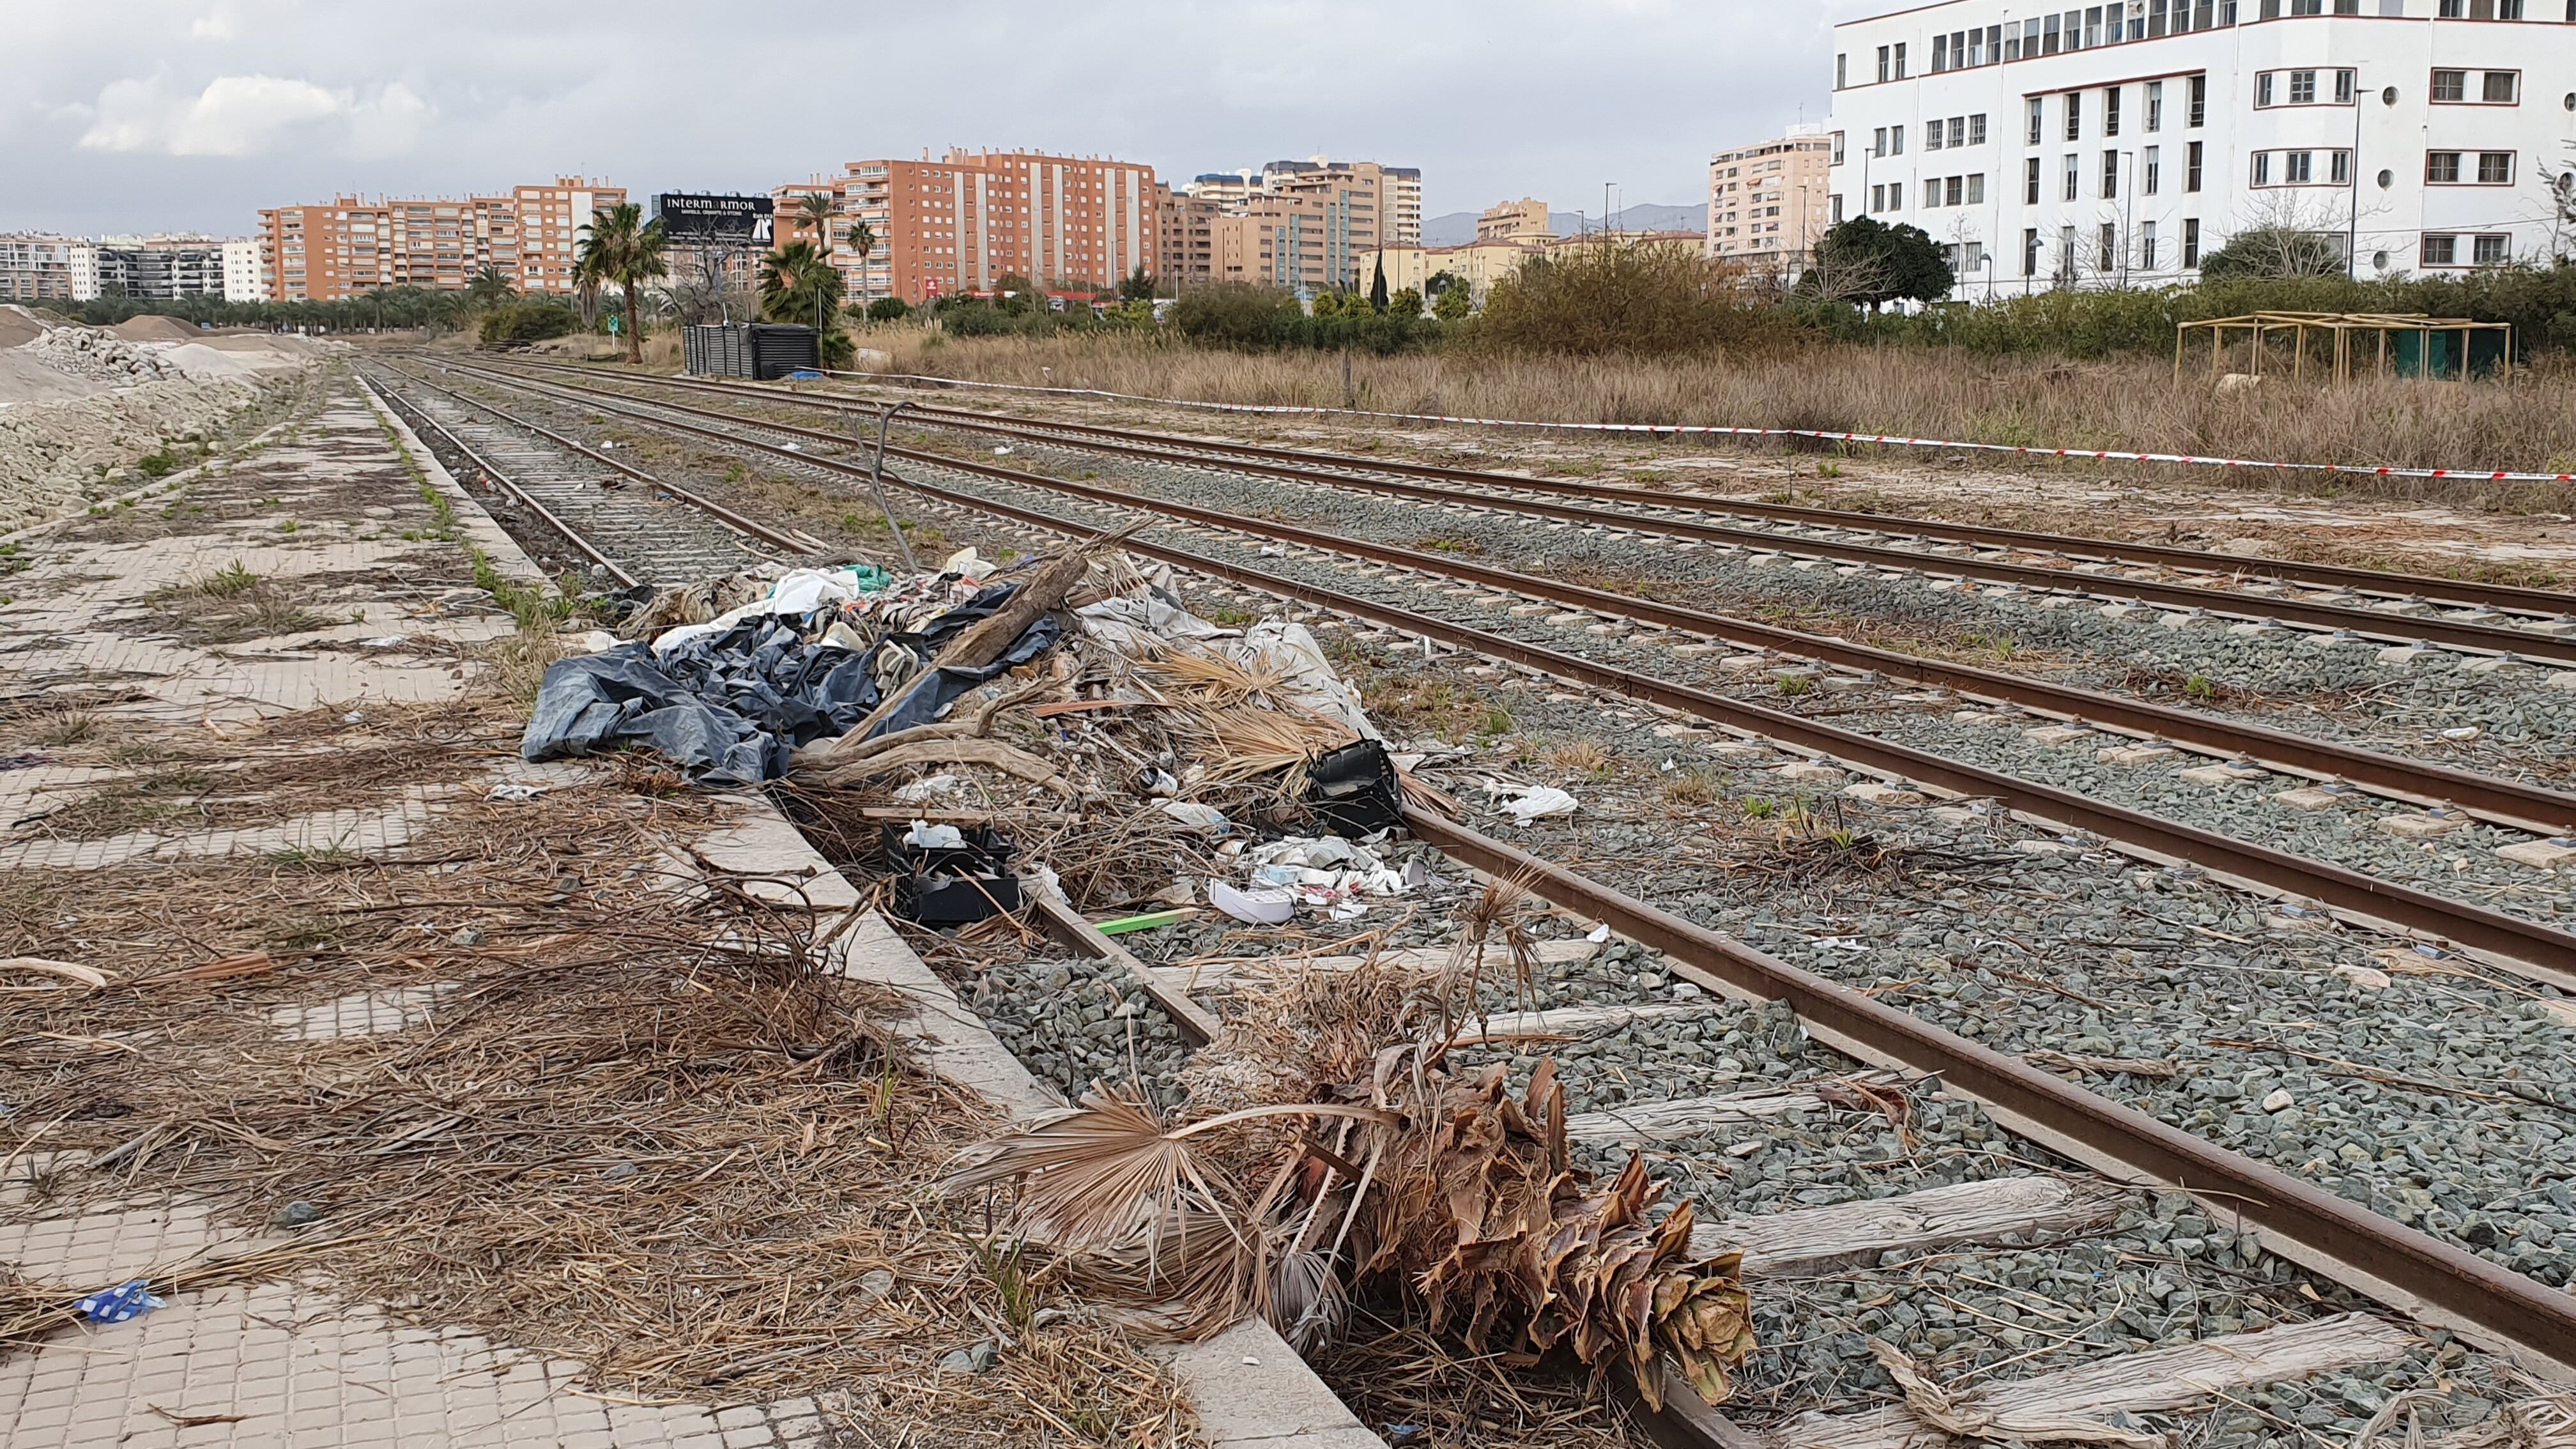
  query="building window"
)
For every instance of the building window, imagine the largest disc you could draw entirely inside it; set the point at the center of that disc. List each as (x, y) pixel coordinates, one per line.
(1896, 140)
(2492, 251)
(2342, 167)
(2146, 246)
(1842, 71)
(2298, 168)
(2156, 89)
(2442, 168)
(2501, 87)
(2030, 251)
(1878, 141)
(2262, 168)
(2074, 181)
(2450, 87)
(1900, 60)
(2190, 242)
(2152, 179)
(2191, 166)
(2495, 168)
(1977, 129)
(1896, 196)
(2197, 112)
(2035, 106)
(1838, 208)
(1977, 189)
(1933, 131)
(2110, 176)
(2030, 182)
(2110, 250)
(2074, 115)
(2111, 111)
(2441, 251)
(2303, 87)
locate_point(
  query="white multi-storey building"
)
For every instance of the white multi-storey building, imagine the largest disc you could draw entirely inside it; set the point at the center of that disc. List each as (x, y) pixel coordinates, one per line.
(2121, 143)
(242, 280)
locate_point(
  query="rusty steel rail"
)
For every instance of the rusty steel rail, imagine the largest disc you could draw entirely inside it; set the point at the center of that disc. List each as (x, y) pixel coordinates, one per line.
(2510, 597)
(2539, 950)
(2506, 801)
(510, 485)
(2410, 1270)
(792, 542)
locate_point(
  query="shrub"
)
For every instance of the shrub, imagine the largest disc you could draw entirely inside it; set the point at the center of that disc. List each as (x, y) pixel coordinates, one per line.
(1649, 299)
(529, 322)
(888, 309)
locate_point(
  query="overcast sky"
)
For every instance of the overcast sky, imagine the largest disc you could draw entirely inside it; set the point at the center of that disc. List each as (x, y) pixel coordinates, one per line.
(144, 115)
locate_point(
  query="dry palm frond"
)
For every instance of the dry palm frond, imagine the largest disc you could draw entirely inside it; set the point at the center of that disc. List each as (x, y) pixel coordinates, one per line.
(1499, 915)
(1109, 1175)
(1213, 679)
(31, 1311)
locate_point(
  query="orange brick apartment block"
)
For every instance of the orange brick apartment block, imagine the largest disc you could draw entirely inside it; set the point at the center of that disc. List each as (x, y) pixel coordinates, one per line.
(353, 246)
(961, 223)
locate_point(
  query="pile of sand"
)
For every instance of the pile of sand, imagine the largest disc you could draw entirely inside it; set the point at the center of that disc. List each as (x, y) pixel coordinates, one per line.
(18, 327)
(205, 364)
(25, 379)
(148, 328)
(99, 356)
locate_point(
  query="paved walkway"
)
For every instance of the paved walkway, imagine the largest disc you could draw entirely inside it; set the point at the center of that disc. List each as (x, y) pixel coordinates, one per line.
(370, 602)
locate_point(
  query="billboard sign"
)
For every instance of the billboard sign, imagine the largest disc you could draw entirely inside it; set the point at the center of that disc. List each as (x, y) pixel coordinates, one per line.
(697, 217)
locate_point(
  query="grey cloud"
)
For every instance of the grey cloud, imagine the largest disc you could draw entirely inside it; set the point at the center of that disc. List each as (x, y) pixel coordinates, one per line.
(157, 113)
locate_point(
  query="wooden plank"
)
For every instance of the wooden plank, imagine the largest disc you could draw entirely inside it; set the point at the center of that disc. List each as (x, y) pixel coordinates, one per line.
(1811, 1241)
(1068, 926)
(1643, 1122)
(1213, 974)
(2159, 1381)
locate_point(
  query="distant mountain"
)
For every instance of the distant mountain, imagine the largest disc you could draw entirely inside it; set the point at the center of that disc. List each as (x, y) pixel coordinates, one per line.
(1457, 228)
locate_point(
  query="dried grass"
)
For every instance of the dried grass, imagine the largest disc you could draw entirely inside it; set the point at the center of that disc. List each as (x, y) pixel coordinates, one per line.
(2528, 425)
(644, 1130)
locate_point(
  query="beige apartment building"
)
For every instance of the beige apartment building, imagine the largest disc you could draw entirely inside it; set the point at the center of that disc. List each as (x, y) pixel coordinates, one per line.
(531, 235)
(1768, 203)
(40, 268)
(1524, 220)
(1311, 226)
(1480, 264)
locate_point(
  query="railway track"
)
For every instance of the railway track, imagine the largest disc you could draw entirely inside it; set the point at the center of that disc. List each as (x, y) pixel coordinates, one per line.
(2015, 1216)
(2503, 800)
(570, 489)
(2218, 583)
(2538, 948)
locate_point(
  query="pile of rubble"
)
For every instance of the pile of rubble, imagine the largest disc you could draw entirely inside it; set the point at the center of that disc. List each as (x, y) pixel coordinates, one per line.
(100, 356)
(1067, 728)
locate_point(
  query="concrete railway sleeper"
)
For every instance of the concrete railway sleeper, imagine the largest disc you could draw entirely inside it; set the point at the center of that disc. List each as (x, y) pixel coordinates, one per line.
(2538, 949)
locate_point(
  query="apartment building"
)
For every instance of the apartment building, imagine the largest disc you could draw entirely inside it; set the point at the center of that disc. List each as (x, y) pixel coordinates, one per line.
(961, 223)
(2122, 143)
(1769, 203)
(242, 278)
(531, 235)
(1524, 220)
(40, 268)
(1311, 226)
(161, 268)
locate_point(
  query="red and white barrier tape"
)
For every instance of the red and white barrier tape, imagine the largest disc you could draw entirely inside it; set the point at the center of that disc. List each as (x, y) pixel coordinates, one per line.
(1715, 430)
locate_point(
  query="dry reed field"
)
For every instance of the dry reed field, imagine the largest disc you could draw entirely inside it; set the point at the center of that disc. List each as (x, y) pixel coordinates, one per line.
(2526, 425)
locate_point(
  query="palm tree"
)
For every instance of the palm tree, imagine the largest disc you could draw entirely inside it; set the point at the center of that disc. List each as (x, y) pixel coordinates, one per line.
(490, 288)
(796, 282)
(863, 240)
(815, 210)
(620, 248)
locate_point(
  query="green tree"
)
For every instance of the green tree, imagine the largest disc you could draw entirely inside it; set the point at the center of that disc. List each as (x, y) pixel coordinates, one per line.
(797, 284)
(1875, 263)
(888, 309)
(1377, 286)
(2276, 252)
(1406, 304)
(862, 239)
(620, 249)
(1452, 303)
(1139, 287)
(1440, 283)
(490, 288)
(815, 210)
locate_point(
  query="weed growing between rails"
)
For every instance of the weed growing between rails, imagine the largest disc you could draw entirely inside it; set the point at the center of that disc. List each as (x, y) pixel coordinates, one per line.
(2528, 425)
